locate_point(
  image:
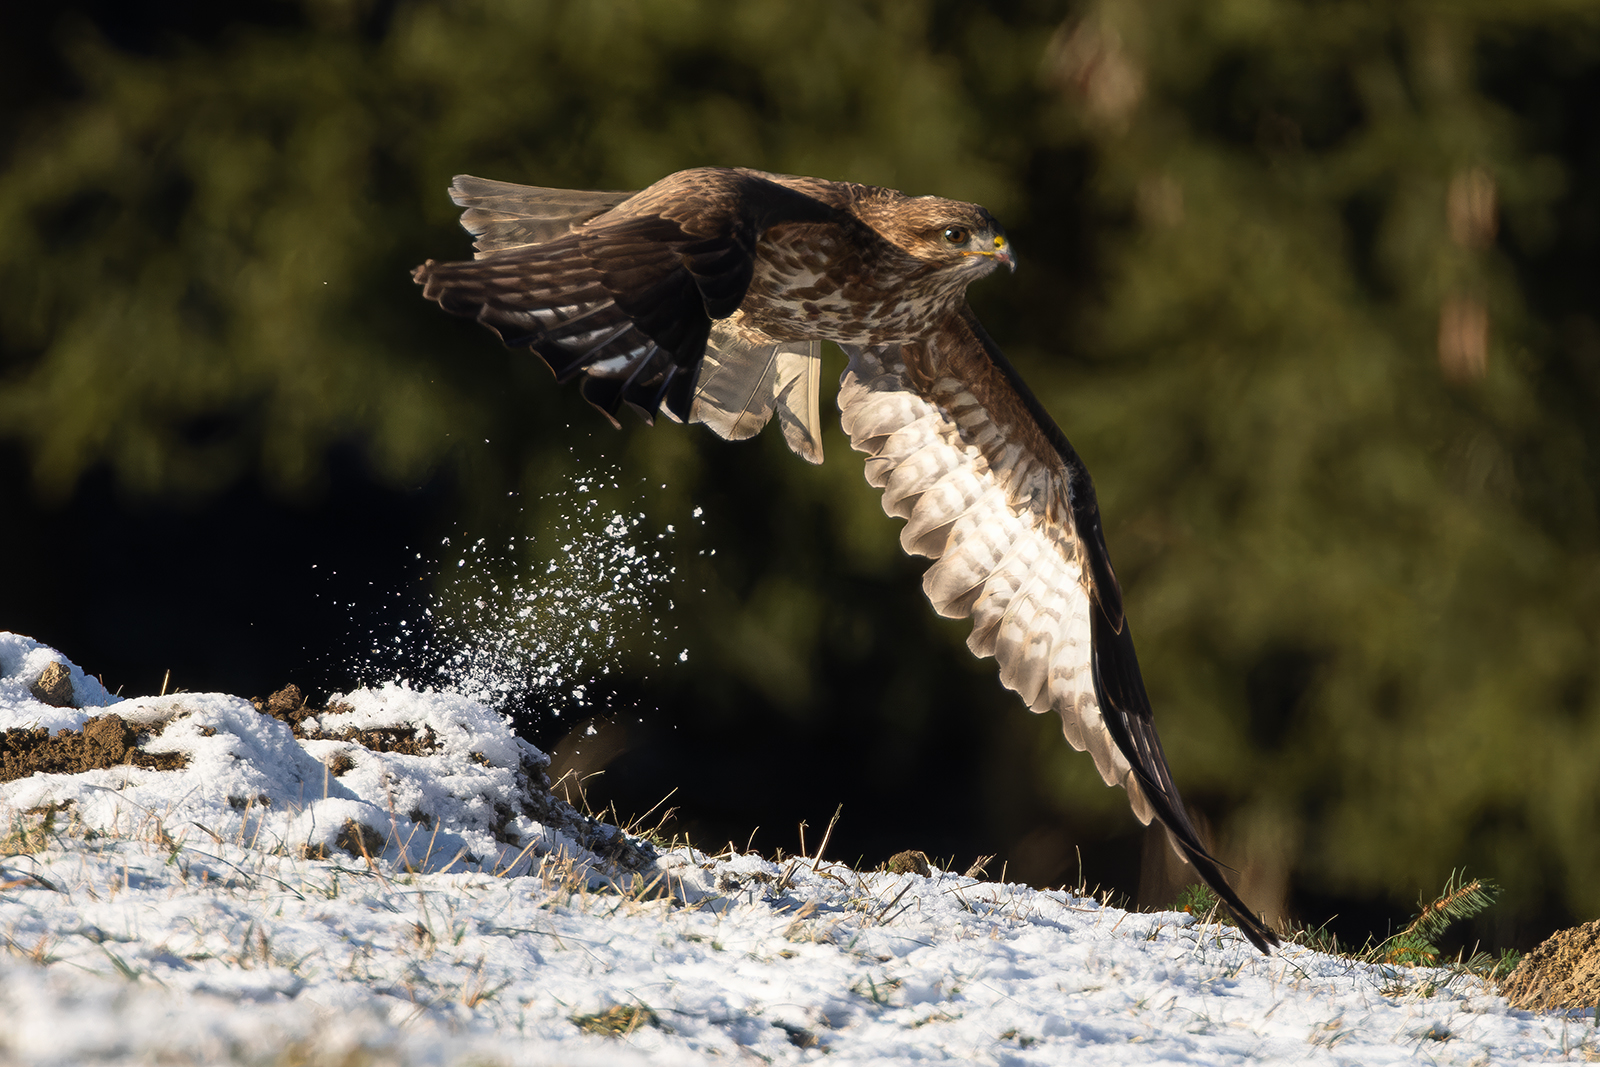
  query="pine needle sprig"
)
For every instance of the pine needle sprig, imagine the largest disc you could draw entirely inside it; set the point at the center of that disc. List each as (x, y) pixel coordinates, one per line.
(1415, 946)
(1460, 900)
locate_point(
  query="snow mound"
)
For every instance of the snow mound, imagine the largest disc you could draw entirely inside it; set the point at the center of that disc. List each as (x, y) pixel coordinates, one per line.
(199, 878)
(22, 661)
(417, 779)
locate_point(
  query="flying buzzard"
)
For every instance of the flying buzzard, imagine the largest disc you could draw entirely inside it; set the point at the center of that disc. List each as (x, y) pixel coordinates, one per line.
(708, 295)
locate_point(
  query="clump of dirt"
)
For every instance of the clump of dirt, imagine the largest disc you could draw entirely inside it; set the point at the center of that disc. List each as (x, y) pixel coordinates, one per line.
(289, 705)
(339, 764)
(1564, 972)
(105, 741)
(54, 686)
(401, 740)
(909, 862)
(356, 838)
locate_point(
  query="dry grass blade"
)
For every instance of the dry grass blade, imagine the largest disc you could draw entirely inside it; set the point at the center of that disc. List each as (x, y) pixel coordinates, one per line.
(788, 877)
(879, 918)
(619, 1020)
(635, 825)
(826, 835)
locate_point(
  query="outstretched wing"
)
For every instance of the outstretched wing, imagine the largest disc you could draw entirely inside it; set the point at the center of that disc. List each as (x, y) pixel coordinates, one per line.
(997, 497)
(621, 289)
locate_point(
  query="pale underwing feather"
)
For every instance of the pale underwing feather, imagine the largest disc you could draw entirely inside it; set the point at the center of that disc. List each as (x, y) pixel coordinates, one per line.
(955, 581)
(799, 395)
(742, 385)
(893, 450)
(985, 546)
(927, 466)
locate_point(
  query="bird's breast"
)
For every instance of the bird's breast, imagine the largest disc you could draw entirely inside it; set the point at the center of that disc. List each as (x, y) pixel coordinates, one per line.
(809, 285)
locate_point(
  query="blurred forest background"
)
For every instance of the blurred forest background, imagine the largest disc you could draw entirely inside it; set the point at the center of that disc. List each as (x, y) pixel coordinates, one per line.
(1312, 286)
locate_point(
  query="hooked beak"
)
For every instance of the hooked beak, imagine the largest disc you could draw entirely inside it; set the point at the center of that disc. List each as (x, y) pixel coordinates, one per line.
(1002, 252)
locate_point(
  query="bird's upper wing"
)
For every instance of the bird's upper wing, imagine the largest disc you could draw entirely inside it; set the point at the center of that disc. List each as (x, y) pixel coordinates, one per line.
(622, 289)
(997, 497)
(501, 215)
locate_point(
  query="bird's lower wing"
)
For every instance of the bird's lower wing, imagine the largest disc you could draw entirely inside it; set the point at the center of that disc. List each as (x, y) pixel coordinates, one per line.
(955, 442)
(1001, 556)
(744, 380)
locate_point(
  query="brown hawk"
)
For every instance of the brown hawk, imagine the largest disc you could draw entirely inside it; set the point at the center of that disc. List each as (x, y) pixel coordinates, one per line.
(708, 295)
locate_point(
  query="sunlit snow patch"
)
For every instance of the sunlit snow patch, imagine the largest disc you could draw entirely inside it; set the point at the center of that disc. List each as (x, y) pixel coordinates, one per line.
(22, 662)
(419, 779)
(210, 913)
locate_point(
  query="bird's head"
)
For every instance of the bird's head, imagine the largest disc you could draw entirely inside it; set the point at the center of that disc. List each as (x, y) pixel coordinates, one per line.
(956, 234)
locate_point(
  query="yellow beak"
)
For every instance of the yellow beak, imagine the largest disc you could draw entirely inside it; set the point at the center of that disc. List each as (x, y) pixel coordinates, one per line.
(1002, 251)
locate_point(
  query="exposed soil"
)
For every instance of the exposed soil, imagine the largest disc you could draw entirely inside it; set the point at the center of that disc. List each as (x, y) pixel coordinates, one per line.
(109, 741)
(356, 838)
(105, 741)
(289, 706)
(1564, 972)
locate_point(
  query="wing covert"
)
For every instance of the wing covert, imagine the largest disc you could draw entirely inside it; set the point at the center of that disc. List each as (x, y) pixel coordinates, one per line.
(503, 215)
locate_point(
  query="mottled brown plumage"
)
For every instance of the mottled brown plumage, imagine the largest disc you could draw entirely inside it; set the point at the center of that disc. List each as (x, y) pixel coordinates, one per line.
(624, 289)
(708, 295)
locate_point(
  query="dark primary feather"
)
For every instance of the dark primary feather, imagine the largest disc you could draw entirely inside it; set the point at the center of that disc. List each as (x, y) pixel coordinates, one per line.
(1126, 710)
(707, 295)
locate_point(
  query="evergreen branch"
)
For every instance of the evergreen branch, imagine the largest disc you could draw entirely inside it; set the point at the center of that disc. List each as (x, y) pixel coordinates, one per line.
(1458, 901)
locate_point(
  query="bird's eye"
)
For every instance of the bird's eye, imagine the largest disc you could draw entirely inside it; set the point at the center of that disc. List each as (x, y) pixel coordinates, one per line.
(957, 235)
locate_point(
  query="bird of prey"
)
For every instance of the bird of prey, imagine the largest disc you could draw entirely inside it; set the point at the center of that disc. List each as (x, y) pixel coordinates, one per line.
(707, 296)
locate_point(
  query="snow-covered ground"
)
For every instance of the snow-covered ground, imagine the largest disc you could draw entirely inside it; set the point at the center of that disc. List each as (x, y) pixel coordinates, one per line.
(394, 885)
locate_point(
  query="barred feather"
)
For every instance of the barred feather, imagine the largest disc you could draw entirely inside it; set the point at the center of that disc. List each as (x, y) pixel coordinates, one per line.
(503, 216)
